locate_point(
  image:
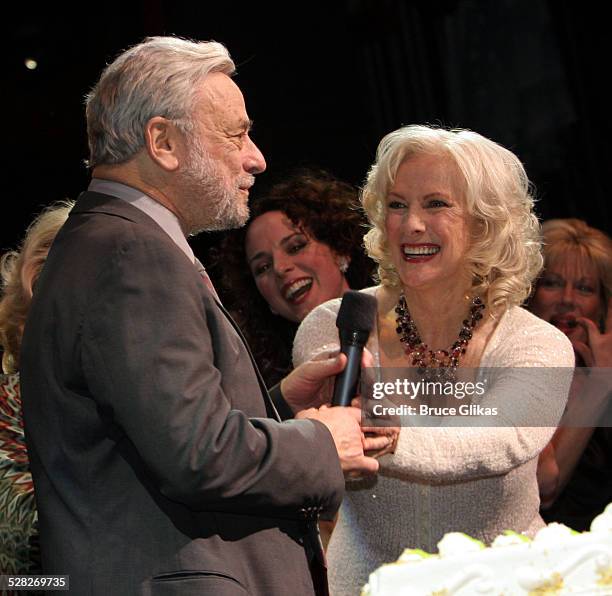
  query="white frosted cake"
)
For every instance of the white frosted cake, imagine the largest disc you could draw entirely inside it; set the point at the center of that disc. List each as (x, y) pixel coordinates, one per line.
(557, 561)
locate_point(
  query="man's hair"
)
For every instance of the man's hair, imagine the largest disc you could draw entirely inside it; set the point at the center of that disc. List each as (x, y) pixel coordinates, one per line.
(504, 255)
(158, 77)
(19, 270)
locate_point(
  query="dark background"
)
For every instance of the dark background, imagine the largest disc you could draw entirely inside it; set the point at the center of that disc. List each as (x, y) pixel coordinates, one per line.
(325, 81)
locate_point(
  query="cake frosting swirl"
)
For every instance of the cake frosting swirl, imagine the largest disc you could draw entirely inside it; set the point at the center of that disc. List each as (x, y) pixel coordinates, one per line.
(558, 561)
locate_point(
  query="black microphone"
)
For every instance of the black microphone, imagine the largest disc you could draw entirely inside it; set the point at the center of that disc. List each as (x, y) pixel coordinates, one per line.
(355, 320)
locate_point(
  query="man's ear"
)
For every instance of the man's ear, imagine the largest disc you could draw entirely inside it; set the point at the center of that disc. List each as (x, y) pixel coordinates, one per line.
(164, 143)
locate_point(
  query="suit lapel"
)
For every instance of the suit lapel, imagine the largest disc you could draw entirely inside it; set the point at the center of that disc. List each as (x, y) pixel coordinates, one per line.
(270, 407)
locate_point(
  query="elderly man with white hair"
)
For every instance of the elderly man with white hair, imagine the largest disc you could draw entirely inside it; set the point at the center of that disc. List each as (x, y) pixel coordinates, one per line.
(160, 463)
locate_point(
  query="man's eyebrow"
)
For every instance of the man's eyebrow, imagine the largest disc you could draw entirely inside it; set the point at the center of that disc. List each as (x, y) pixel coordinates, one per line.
(239, 126)
(247, 125)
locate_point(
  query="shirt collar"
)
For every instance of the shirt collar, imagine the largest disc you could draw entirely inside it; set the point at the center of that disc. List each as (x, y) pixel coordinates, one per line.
(160, 214)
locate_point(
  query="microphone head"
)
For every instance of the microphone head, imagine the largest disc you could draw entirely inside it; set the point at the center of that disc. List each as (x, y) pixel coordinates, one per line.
(357, 312)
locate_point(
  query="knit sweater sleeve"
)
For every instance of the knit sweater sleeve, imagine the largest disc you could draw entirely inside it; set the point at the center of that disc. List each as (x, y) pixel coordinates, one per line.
(317, 335)
(533, 365)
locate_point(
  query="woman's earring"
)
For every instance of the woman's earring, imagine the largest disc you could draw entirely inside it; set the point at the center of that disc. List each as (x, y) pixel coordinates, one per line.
(343, 264)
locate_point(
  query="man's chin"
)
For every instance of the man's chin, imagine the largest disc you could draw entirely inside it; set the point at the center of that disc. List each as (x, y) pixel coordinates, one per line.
(228, 222)
(235, 220)
(233, 224)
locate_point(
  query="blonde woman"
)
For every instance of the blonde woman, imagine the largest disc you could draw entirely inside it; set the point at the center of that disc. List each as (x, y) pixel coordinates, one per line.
(19, 270)
(457, 243)
(574, 293)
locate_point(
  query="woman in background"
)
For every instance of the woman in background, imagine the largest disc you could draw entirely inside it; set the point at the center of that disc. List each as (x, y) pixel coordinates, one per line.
(574, 294)
(301, 247)
(19, 270)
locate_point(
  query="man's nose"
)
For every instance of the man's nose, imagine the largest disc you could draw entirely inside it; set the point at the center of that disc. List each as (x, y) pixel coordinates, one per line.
(254, 161)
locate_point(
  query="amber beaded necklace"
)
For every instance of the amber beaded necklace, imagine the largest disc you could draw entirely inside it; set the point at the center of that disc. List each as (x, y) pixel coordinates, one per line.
(422, 357)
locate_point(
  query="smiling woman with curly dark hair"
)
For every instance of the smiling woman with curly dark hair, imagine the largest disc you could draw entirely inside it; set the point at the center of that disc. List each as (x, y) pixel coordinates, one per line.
(302, 246)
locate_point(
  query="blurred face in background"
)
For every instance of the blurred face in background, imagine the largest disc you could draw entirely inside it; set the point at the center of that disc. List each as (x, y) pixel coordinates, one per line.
(293, 271)
(569, 288)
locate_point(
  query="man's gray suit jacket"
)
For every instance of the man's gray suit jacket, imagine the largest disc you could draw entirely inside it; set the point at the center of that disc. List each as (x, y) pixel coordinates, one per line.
(157, 468)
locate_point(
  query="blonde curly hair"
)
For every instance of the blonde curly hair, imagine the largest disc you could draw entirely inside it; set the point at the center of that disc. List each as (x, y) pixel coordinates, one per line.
(505, 252)
(19, 270)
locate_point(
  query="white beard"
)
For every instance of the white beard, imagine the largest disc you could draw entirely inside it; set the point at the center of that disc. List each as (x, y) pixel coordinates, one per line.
(210, 201)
